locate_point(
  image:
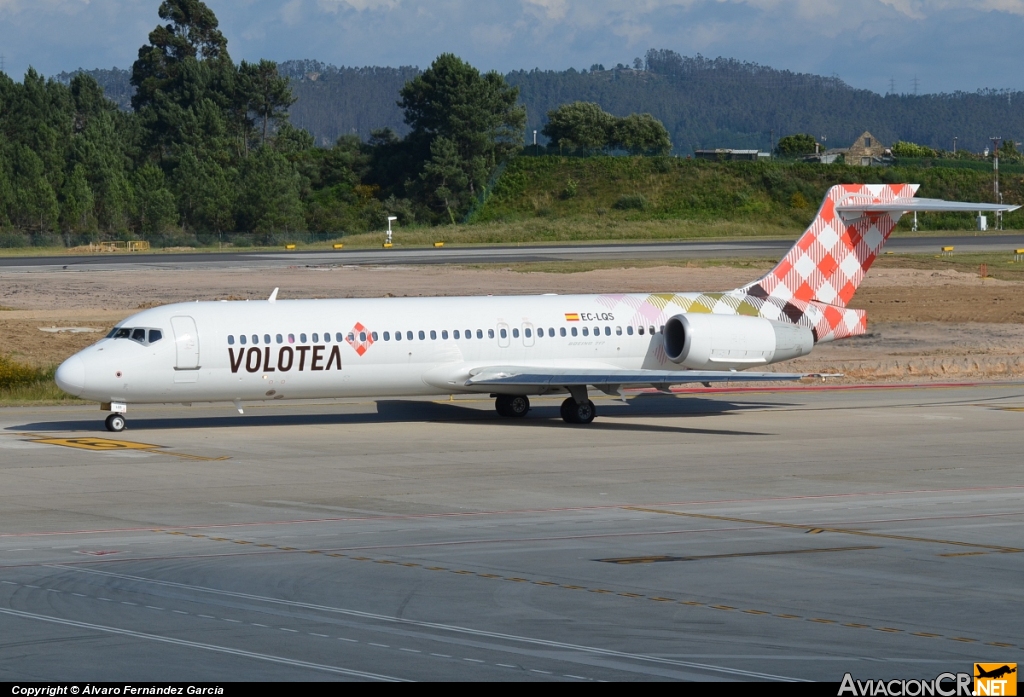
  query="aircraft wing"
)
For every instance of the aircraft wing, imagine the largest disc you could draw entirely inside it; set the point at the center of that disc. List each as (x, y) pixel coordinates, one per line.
(921, 205)
(565, 377)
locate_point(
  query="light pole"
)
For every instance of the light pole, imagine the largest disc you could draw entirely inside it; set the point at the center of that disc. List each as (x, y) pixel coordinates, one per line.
(535, 137)
(954, 145)
(390, 218)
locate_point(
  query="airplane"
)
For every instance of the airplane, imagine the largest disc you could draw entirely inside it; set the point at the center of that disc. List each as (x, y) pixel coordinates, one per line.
(510, 347)
(996, 673)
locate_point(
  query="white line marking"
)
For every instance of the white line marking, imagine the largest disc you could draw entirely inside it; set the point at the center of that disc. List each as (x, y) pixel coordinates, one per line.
(441, 655)
(80, 595)
(106, 600)
(506, 665)
(473, 660)
(125, 602)
(352, 641)
(285, 629)
(53, 590)
(383, 646)
(315, 634)
(206, 647)
(254, 624)
(444, 627)
(9, 583)
(179, 612)
(154, 607)
(575, 677)
(207, 617)
(228, 619)
(411, 650)
(29, 585)
(545, 672)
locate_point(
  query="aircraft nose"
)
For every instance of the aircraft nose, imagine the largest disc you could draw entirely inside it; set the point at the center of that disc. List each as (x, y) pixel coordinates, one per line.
(70, 376)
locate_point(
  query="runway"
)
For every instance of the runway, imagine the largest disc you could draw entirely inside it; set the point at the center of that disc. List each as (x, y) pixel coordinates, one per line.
(483, 255)
(776, 535)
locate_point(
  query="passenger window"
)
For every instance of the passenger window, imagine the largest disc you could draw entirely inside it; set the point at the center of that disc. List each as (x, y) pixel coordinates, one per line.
(241, 339)
(302, 338)
(280, 339)
(586, 332)
(574, 331)
(338, 337)
(608, 331)
(433, 335)
(629, 330)
(231, 340)
(528, 332)
(561, 331)
(504, 333)
(408, 335)
(373, 335)
(618, 331)
(422, 335)
(327, 337)
(387, 336)
(139, 335)
(255, 338)
(266, 338)
(515, 333)
(362, 336)
(652, 330)
(490, 334)
(155, 335)
(444, 333)
(455, 334)
(551, 331)
(398, 336)
(640, 330)
(291, 339)
(480, 333)
(469, 333)
(316, 338)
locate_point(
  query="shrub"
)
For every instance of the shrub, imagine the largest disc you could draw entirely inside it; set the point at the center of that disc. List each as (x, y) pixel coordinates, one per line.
(904, 149)
(14, 374)
(631, 202)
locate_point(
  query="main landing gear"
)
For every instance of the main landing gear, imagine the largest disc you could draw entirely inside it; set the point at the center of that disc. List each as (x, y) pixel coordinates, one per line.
(574, 412)
(513, 405)
(115, 423)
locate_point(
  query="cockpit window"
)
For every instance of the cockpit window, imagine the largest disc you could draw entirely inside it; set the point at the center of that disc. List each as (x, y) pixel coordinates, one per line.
(140, 334)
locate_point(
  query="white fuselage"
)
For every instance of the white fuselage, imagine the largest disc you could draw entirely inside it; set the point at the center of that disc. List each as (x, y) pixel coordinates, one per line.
(299, 349)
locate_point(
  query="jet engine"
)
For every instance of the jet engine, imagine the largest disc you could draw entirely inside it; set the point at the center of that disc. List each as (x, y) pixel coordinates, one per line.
(732, 342)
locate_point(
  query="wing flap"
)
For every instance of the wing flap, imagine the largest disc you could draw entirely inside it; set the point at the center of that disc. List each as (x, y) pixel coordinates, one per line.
(921, 205)
(559, 377)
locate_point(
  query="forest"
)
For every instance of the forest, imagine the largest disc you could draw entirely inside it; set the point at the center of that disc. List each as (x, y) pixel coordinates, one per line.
(196, 149)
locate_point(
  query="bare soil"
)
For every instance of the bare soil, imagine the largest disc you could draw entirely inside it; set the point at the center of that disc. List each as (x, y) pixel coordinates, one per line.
(923, 324)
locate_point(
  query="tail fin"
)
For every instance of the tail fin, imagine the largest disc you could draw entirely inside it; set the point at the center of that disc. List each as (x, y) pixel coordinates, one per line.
(816, 279)
(830, 259)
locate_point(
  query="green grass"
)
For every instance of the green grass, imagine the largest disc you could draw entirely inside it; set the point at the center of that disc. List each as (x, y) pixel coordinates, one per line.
(25, 384)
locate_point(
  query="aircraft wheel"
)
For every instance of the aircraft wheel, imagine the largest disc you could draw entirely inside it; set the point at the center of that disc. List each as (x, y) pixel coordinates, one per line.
(501, 405)
(574, 412)
(518, 405)
(115, 423)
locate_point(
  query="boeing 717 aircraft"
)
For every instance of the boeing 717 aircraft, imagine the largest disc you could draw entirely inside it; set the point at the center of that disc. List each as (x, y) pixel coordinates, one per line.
(510, 347)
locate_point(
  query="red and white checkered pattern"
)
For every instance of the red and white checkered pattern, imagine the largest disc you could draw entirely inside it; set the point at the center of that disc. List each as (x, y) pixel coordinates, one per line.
(829, 261)
(360, 338)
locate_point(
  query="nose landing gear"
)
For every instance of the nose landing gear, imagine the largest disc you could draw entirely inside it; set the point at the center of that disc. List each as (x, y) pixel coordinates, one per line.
(115, 423)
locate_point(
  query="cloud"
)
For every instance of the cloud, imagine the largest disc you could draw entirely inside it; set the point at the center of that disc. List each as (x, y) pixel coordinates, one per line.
(947, 44)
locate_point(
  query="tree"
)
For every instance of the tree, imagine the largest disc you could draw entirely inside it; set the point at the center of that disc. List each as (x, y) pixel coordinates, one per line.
(191, 33)
(579, 125)
(267, 93)
(476, 114)
(796, 145)
(641, 134)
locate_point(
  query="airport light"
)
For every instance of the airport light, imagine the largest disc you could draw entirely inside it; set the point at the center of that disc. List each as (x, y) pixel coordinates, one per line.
(390, 218)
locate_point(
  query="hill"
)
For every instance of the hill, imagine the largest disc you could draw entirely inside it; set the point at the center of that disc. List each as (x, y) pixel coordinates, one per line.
(703, 102)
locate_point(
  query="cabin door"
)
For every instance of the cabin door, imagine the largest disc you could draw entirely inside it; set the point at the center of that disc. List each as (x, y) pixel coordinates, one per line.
(186, 346)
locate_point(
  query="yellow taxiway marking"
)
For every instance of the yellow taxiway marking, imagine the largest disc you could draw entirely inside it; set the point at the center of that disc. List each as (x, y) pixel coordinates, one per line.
(609, 593)
(813, 528)
(107, 445)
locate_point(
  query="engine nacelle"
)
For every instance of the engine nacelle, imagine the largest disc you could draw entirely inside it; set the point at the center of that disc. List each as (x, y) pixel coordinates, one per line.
(732, 342)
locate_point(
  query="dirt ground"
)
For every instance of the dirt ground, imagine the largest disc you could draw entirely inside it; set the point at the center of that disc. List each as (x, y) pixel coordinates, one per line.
(922, 324)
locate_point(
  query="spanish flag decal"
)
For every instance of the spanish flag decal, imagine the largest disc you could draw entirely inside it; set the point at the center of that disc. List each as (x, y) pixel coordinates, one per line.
(572, 317)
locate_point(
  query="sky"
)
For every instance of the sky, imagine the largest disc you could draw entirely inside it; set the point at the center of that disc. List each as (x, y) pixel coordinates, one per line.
(947, 45)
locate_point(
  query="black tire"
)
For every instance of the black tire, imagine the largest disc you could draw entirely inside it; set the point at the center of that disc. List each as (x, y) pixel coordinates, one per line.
(501, 405)
(115, 423)
(518, 405)
(584, 412)
(567, 408)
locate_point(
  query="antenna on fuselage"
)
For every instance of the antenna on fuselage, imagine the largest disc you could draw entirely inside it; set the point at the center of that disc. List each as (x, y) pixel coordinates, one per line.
(273, 296)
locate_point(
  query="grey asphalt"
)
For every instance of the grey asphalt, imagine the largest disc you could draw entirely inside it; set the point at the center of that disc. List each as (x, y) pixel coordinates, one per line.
(794, 534)
(504, 254)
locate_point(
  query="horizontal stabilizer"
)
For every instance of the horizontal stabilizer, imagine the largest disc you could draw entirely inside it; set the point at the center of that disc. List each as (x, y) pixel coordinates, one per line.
(558, 377)
(917, 205)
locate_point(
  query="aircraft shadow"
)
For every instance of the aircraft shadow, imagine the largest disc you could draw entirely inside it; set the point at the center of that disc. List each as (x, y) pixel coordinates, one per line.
(401, 411)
